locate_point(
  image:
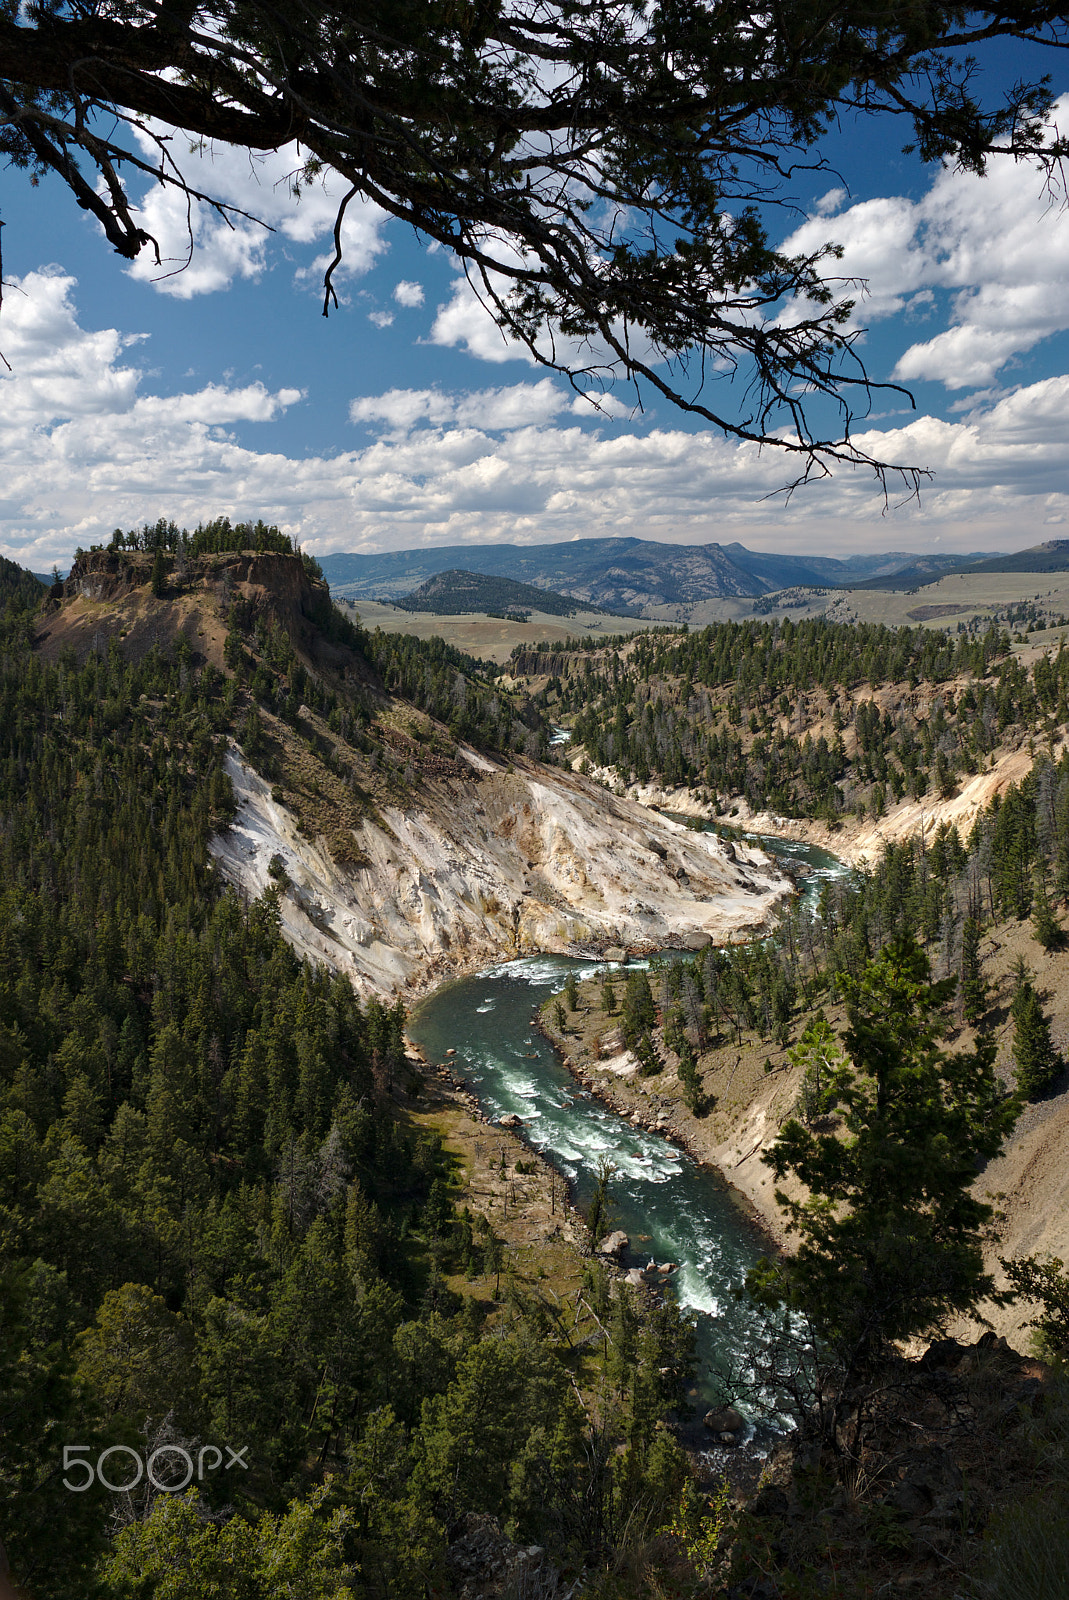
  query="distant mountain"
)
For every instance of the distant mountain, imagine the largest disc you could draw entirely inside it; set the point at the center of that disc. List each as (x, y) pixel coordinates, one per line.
(621, 575)
(448, 594)
(851, 572)
(1053, 556)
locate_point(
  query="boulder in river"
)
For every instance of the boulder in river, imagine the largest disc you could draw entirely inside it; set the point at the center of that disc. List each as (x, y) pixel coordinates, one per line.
(616, 952)
(613, 1243)
(510, 1120)
(725, 1420)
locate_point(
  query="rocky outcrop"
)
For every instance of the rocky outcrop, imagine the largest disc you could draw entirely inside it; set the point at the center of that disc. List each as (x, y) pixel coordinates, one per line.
(510, 860)
(484, 1563)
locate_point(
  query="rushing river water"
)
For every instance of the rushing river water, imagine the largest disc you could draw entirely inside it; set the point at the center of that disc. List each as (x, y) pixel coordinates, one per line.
(671, 1208)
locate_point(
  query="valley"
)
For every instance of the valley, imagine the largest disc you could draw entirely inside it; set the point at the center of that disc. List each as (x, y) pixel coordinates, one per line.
(358, 988)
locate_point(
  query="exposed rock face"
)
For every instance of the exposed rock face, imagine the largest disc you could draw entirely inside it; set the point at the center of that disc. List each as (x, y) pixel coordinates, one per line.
(485, 1564)
(503, 863)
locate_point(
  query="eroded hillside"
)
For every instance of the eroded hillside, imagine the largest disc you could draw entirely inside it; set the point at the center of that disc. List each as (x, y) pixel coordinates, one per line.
(398, 851)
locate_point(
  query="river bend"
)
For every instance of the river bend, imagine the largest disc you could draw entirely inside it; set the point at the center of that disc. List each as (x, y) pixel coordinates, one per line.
(671, 1208)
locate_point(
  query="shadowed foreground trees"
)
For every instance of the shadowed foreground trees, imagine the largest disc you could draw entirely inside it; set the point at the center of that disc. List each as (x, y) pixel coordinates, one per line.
(890, 1234)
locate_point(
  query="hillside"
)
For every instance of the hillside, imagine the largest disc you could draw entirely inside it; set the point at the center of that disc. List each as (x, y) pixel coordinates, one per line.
(17, 586)
(404, 851)
(621, 575)
(454, 593)
(939, 765)
(1051, 556)
(852, 572)
(238, 1208)
(232, 826)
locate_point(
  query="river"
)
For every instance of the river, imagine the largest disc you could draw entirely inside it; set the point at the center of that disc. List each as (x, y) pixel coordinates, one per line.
(671, 1208)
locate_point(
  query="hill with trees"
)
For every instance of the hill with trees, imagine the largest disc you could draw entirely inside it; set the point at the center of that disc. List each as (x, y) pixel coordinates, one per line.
(223, 1217)
(453, 592)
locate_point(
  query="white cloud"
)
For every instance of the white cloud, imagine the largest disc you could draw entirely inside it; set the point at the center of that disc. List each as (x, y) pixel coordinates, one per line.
(381, 319)
(408, 294)
(831, 202)
(518, 406)
(464, 322)
(85, 451)
(996, 243)
(606, 405)
(262, 185)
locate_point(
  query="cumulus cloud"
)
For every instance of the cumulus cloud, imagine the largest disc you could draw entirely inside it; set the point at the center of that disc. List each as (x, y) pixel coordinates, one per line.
(225, 247)
(85, 450)
(408, 294)
(465, 323)
(996, 243)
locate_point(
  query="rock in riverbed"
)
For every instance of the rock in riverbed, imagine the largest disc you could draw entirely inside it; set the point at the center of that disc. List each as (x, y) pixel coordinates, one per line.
(726, 1420)
(613, 1243)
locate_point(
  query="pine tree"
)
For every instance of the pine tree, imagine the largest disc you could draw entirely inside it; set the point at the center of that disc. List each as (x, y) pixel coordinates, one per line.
(691, 1079)
(973, 983)
(1045, 925)
(1038, 1063)
(891, 1233)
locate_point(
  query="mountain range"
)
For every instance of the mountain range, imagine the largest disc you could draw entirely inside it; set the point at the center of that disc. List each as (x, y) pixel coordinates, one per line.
(624, 575)
(1050, 556)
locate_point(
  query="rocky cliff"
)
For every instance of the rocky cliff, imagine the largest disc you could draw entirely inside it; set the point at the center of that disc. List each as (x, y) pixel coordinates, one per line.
(493, 863)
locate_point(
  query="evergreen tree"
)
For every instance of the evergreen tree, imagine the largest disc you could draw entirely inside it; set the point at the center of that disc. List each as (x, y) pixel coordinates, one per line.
(1045, 925)
(1037, 1062)
(973, 983)
(691, 1079)
(1048, 1284)
(890, 1234)
(639, 1011)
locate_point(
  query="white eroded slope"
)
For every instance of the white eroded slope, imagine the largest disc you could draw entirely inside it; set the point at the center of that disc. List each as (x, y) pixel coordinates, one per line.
(498, 864)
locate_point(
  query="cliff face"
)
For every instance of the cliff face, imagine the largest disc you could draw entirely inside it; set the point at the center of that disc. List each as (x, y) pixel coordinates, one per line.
(110, 593)
(484, 868)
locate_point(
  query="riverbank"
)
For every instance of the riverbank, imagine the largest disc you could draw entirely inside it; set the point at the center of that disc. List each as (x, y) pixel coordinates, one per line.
(752, 1088)
(749, 1106)
(859, 841)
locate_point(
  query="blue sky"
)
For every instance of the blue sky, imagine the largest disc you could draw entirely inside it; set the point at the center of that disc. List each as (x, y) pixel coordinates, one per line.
(403, 419)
